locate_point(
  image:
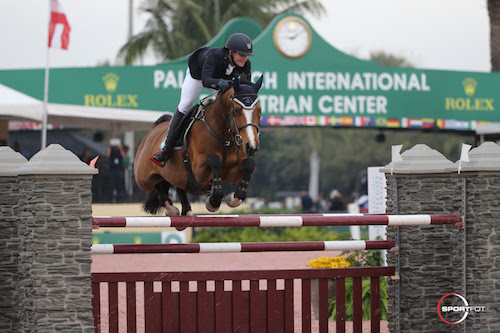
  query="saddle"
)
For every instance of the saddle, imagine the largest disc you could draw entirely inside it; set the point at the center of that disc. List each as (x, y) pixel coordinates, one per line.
(187, 121)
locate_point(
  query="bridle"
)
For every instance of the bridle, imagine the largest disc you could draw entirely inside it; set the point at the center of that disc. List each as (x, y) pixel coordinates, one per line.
(246, 107)
(230, 120)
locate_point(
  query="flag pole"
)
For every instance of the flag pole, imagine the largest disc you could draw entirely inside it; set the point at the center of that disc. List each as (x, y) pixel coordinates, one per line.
(46, 90)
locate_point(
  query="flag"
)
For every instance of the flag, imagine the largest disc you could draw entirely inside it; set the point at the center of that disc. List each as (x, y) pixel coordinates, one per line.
(58, 27)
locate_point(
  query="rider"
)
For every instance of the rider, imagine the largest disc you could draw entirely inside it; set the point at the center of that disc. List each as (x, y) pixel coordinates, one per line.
(212, 68)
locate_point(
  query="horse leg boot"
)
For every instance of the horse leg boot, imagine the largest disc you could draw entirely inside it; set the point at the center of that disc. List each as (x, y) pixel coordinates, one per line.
(168, 143)
(214, 199)
(234, 199)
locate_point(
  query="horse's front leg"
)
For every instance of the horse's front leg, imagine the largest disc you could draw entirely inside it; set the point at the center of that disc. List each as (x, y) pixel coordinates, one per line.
(214, 199)
(234, 199)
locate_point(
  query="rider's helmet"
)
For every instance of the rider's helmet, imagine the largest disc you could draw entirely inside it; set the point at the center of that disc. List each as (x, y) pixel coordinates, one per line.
(240, 43)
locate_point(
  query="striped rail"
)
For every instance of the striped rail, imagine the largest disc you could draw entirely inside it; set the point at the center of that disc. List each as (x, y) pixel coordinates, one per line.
(275, 220)
(243, 247)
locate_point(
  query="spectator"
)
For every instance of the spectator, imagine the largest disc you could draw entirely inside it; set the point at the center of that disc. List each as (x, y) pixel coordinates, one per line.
(336, 202)
(306, 202)
(85, 156)
(19, 149)
(127, 167)
(320, 204)
(362, 200)
(115, 154)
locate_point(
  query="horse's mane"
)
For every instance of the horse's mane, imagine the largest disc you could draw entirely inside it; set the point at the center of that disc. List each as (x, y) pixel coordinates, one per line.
(162, 119)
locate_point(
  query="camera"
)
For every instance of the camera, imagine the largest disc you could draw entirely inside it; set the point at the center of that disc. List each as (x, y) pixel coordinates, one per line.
(115, 142)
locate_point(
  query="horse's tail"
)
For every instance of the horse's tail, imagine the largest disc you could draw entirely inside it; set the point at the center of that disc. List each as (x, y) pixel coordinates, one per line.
(162, 119)
(156, 198)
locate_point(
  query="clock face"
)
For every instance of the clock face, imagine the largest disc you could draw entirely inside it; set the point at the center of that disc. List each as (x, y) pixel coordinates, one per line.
(292, 37)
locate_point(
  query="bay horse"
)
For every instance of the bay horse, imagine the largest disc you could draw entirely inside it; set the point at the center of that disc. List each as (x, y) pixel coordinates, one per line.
(218, 146)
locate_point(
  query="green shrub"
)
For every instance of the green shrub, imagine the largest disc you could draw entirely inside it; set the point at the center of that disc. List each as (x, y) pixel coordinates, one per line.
(365, 300)
(368, 258)
(257, 234)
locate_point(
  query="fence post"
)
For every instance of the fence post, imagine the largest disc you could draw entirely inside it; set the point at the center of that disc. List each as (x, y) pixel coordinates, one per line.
(426, 252)
(481, 174)
(9, 240)
(55, 228)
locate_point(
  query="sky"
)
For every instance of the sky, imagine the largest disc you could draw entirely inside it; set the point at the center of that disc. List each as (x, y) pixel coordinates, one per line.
(430, 34)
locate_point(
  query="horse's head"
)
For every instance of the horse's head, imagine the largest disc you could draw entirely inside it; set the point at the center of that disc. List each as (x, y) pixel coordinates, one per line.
(245, 115)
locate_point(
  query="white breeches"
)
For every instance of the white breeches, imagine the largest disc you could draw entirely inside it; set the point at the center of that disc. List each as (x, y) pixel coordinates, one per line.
(191, 88)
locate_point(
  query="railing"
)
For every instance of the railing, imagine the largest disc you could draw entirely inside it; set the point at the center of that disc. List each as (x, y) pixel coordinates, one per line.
(233, 301)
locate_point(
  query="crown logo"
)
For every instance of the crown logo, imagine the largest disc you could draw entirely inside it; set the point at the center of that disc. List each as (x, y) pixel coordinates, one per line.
(469, 86)
(110, 81)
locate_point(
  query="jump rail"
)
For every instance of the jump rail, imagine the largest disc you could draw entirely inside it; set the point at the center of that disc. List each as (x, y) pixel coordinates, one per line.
(275, 220)
(242, 247)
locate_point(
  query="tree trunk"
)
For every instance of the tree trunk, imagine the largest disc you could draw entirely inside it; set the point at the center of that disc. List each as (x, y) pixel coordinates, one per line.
(494, 12)
(314, 175)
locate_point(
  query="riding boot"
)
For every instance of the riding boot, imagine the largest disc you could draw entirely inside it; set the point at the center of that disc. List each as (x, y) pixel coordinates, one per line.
(168, 144)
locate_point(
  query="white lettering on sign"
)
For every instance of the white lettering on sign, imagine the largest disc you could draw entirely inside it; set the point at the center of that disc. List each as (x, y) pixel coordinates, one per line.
(270, 79)
(326, 104)
(170, 79)
(286, 104)
(357, 81)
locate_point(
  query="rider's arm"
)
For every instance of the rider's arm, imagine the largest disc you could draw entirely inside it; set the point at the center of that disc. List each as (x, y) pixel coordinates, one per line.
(209, 75)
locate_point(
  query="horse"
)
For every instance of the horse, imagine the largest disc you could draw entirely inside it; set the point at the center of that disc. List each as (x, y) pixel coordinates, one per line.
(218, 146)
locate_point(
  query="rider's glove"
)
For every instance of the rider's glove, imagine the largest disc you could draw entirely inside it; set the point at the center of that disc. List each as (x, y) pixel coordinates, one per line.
(225, 85)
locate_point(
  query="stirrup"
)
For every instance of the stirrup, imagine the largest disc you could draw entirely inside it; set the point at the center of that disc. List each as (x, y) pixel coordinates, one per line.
(159, 158)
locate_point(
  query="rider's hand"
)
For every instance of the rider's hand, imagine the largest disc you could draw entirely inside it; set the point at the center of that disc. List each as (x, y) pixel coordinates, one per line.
(225, 85)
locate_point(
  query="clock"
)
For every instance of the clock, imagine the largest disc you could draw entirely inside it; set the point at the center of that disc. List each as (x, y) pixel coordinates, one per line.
(292, 37)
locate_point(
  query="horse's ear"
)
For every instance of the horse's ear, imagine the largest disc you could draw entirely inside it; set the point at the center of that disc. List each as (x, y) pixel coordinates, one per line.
(236, 83)
(258, 84)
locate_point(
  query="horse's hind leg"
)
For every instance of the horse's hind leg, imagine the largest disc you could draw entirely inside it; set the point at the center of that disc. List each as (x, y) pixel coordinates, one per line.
(162, 188)
(214, 199)
(234, 199)
(186, 206)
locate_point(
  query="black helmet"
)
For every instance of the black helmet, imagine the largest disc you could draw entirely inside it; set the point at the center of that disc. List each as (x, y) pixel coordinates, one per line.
(240, 43)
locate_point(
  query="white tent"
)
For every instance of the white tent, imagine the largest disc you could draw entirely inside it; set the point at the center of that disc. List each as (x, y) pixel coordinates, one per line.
(19, 106)
(16, 105)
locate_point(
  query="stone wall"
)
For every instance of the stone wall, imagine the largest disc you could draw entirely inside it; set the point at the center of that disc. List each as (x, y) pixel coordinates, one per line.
(9, 239)
(431, 256)
(54, 228)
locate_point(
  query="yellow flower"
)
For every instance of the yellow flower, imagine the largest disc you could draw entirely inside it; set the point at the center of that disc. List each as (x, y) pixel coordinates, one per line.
(328, 262)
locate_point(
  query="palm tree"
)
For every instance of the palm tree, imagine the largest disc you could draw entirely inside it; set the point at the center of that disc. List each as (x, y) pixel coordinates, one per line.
(494, 13)
(178, 27)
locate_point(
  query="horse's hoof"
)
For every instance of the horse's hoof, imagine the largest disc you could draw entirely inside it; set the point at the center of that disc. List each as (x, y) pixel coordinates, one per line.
(180, 228)
(189, 213)
(210, 208)
(171, 210)
(232, 201)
